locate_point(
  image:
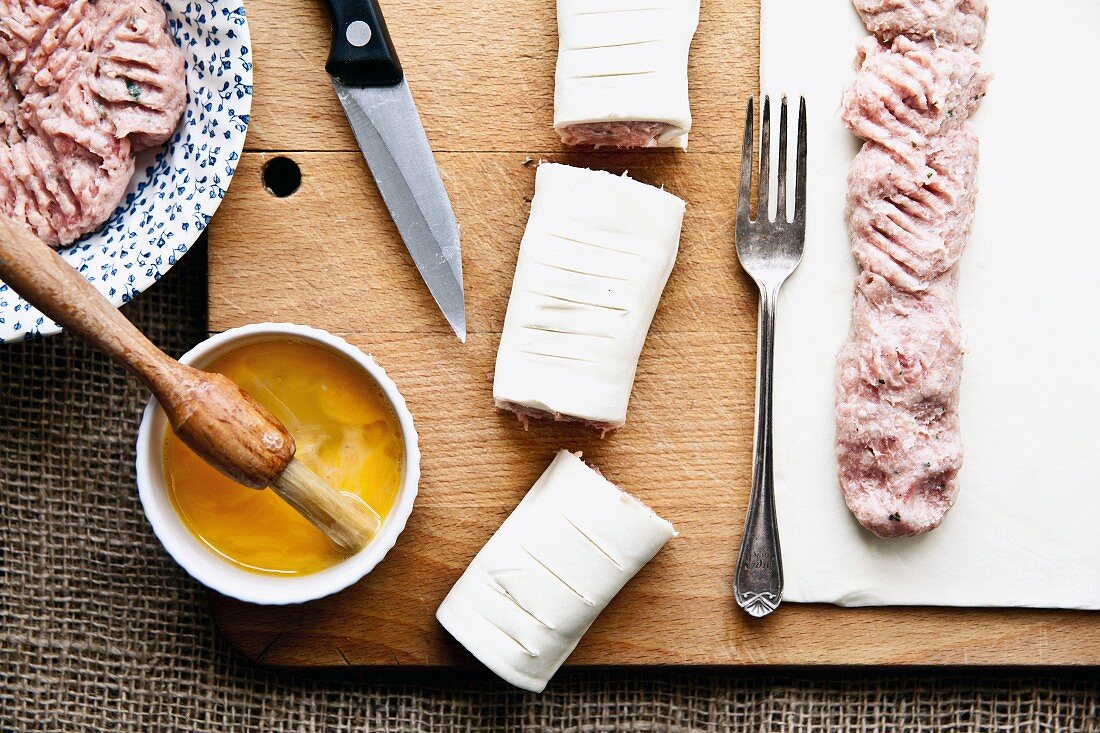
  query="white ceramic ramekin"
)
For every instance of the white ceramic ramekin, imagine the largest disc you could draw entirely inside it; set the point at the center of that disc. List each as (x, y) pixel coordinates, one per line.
(203, 563)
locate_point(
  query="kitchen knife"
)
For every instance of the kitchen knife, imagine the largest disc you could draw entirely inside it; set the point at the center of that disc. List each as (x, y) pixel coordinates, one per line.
(371, 86)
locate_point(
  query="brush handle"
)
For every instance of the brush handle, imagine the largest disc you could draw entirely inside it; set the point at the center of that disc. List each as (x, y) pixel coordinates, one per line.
(211, 414)
(216, 418)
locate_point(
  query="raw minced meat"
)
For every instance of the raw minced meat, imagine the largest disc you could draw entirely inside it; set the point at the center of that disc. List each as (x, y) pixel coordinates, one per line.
(909, 217)
(946, 22)
(86, 85)
(526, 414)
(911, 195)
(615, 134)
(908, 93)
(898, 443)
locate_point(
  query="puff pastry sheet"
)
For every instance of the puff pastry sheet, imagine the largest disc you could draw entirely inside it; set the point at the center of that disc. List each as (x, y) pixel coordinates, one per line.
(1024, 529)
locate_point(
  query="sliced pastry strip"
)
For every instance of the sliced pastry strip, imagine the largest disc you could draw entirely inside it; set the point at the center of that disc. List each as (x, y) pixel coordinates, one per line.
(592, 265)
(543, 578)
(622, 77)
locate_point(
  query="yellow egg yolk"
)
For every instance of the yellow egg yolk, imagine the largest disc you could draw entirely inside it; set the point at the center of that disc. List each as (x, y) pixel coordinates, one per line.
(345, 431)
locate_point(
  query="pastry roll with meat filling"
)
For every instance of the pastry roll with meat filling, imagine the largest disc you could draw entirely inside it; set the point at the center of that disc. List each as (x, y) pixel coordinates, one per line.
(592, 265)
(621, 78)
(557, 561)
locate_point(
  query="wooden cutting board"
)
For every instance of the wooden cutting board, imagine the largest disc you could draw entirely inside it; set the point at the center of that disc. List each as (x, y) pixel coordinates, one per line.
(329, 256)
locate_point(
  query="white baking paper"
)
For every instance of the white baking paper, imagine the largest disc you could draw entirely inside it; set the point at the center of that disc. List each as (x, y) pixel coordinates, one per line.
(1024, 531)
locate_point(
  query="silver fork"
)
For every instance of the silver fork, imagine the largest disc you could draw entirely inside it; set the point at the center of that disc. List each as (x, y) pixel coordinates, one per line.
(769, 251)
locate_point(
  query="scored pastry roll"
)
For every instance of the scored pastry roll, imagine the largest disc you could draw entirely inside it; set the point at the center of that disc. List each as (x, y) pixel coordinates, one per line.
(621, 77)
(540, 581)
(592, 265)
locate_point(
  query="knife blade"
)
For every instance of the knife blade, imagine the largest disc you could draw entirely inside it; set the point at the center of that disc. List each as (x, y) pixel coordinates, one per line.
(371, 87)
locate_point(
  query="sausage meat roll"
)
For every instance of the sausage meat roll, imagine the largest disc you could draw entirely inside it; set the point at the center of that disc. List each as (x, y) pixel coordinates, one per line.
(570, 546)
(592, 265)
(622, 76)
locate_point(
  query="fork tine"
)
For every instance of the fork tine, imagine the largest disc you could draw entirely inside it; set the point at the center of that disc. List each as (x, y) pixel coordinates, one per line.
(764, 183)
(800, 167)
(781, 178)
(744, 193)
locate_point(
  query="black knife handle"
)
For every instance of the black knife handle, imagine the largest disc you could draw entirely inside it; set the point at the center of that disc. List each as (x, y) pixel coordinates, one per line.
(362, 54)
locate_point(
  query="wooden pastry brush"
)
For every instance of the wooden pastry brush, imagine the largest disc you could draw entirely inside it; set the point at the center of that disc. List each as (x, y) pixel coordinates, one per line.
(212, 415)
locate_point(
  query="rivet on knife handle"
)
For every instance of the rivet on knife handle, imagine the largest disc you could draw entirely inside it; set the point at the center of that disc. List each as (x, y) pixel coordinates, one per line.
(362, 54)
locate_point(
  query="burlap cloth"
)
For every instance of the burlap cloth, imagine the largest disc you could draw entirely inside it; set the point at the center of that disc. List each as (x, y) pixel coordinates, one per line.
(99, 630)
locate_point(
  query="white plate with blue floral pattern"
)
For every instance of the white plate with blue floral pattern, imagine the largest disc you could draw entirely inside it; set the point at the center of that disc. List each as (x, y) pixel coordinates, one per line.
(177, 187)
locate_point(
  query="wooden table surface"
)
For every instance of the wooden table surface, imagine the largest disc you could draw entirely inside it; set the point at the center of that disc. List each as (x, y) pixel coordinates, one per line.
(329, 256)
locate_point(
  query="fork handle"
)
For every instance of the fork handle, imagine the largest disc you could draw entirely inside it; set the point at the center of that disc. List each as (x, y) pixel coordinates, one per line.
(758, 583)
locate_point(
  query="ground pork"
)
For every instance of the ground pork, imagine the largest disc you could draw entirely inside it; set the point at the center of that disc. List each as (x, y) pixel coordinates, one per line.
(948, 22)
(86, 85)
(909, 217)
(898, 442)
(615, 134)
(526, 414)
(907, 93)
(911, 194)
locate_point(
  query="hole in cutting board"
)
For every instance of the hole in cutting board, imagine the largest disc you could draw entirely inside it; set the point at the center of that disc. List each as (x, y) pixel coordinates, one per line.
(281, 176)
